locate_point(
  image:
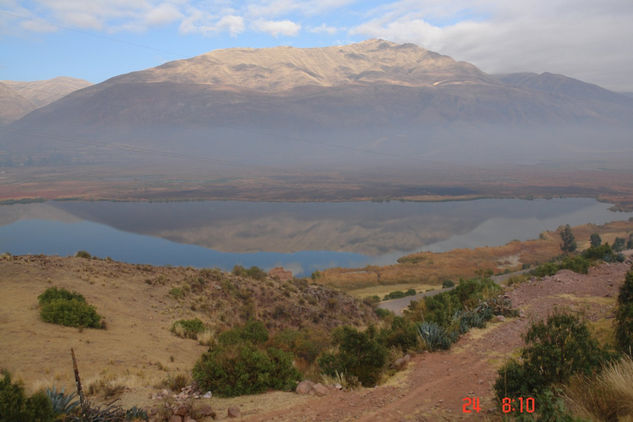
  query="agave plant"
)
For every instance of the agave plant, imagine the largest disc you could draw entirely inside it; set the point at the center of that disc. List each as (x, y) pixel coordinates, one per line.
(63, 404)
(435, 336)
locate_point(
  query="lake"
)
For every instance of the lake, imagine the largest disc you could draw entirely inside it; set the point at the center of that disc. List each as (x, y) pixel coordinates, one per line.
(303, 237)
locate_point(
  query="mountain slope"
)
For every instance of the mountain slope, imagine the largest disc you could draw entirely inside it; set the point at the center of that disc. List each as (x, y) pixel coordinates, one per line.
(19, 98)
(331, 105)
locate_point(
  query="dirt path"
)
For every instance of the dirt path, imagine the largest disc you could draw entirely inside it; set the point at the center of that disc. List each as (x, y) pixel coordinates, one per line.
(433, 387)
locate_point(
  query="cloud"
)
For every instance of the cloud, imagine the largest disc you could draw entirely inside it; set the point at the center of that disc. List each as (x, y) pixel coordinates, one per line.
(38, 25)
(324, 29)
(580, 38)
(276, 28)
(205, 23)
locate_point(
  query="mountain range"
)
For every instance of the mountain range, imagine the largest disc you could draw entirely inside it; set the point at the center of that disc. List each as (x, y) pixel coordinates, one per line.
(17, 99)
(359, 104)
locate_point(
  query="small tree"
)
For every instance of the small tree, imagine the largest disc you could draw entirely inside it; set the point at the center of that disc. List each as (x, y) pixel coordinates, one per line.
(595, 240)
(619, 244)
(624, 316)
(629, 244)
(569, 241)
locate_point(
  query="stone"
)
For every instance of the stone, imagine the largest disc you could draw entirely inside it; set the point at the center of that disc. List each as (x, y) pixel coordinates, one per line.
(320, 389)
(207, 395)
(175, 418)
(400, 363)
(233, 412)
(500, 318)
(338, 386)
(205, 411)
(182, 411)
(189, 419)
(304, 387)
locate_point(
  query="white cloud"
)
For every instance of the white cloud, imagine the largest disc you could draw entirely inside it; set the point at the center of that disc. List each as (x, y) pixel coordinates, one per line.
(163, 14)
(205, 23)
(276, 28)
(580, 38)
(231, 23)
(38, 25)
(324, 29)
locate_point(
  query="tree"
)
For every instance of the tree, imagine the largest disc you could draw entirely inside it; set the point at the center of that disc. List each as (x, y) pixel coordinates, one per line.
(595, 240)
(629, 244)
(569, 241)
(619, 244)
(624, 316)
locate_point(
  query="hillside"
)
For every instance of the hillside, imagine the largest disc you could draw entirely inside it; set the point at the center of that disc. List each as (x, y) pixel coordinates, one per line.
(139, 304)
(352, 106)
(20, 98)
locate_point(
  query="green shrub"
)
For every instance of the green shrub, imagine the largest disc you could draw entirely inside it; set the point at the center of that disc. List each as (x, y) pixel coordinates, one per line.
(397, 294)
(544, 270)
(448, 284)
(577, 264)
(235, 369)
(402, 334)
(16, 407)
(71, 313)
(629, 243)
(253, 331)
(53, 293)
(359, 354)
(382, 313)
(83, 254)
(624, 316)
(177, 293)
(252, 272)
(188, 328)
(595, 240)
(554, 351)
(304, 344)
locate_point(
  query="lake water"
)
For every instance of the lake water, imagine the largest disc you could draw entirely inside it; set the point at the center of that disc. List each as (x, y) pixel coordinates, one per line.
(303, 237)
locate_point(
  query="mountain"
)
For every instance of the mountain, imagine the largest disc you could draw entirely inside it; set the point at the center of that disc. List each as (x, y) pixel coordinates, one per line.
(12, 105)
(19, 98)
(357, 104)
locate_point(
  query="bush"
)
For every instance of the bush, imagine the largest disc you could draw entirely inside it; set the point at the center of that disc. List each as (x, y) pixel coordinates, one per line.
(253, 331)
(360, 354)
(83, 254)
(304, 344)
(554, 351)
(235, 369)
(71, 313)
(382, 313)
(177, 293)
(16, 407)
(624, 316)
(595, 240)
(569, 241)
(188, 328)
(448, 284)
(629, 243)
(53, 293)
(253, 272)
(397, 294)
(402, 334)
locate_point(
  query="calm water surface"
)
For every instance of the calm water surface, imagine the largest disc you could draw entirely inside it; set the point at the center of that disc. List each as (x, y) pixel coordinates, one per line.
(301, 236)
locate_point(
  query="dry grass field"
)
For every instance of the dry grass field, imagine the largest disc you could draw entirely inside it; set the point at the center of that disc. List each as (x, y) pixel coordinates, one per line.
(430, 269)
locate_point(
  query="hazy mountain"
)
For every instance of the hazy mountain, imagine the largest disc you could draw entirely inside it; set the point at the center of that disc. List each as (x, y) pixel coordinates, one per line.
(12, 105)
(19, 98)
(358, 104)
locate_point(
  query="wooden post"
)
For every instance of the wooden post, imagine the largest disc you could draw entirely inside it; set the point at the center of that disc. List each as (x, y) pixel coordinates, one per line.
(80, 391)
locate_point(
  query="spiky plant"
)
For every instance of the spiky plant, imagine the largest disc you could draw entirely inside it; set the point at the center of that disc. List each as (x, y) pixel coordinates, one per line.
(63, 404)
(135, 413)
(435, 336)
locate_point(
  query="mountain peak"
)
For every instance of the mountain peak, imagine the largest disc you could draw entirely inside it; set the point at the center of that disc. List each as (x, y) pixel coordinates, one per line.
(280, 69)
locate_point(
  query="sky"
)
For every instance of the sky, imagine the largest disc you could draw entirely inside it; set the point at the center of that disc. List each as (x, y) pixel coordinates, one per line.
(98, 39)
